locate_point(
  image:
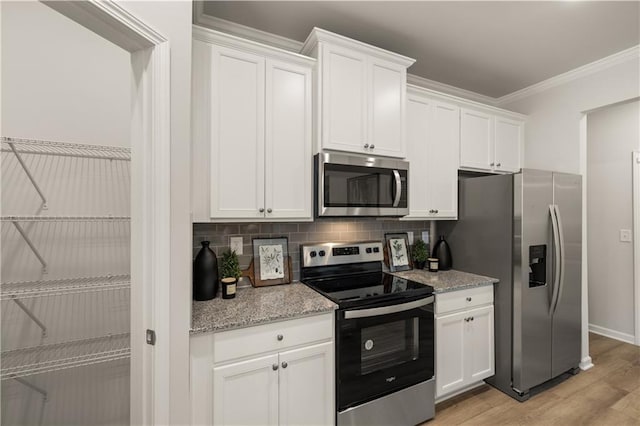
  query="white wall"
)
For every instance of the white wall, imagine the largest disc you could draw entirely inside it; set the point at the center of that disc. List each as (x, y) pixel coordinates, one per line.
(612, 134)
(552, 136)
(60, 81)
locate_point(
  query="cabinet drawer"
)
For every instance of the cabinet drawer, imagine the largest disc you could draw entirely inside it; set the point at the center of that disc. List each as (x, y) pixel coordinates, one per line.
(463, 299)
(250, 341)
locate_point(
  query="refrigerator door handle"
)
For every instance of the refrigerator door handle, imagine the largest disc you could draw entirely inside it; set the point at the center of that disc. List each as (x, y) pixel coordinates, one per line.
(557, 258)
(562, 256)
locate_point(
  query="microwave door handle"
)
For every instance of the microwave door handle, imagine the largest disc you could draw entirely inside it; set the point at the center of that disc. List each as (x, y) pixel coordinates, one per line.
(396, 175)
(384, 310)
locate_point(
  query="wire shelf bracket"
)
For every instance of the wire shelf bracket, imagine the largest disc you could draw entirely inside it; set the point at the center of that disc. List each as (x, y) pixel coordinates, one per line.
(31, 315)
(31, 245)
(29, 175)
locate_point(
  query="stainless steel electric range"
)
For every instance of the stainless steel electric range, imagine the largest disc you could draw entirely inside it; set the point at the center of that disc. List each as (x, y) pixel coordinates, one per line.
(384, 334)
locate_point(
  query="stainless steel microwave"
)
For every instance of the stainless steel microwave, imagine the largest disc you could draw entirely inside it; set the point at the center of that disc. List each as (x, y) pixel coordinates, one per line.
(354, 185)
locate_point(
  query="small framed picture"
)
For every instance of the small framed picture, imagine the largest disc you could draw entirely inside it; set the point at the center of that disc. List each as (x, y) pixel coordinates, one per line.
(398, 251)
(271, 261)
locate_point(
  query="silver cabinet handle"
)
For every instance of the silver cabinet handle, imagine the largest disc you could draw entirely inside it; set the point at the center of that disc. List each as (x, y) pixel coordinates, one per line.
(269, 210)
(372, 146)
(284, 364)
(468, 299)
(280, 337)
(498, 165)
(261, 209)
(492, 164)
(466, 319)
(436, 210)
(275, 367)
(366, 146)
(471, 318)
(384, 310)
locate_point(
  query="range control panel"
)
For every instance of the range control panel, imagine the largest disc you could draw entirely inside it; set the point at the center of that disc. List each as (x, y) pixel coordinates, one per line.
(324, 254)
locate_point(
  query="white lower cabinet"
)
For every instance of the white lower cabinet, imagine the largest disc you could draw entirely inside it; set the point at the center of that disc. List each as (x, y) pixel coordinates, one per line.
(274, 374)
(464, 339)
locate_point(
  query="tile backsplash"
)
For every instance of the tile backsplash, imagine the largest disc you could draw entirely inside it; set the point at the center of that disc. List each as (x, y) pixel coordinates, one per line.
(324, 230)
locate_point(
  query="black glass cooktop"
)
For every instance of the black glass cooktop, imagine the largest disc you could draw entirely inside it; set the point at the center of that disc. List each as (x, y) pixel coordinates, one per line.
(367, 288)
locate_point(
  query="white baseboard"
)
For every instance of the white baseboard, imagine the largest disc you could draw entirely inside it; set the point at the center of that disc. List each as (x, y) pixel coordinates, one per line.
(613, 334)
(586, 363)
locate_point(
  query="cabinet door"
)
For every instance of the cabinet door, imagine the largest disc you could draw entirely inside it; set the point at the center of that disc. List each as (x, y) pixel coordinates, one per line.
(443, 160)
(307, 386)
(480, 350)
(237, 134)
(246, 393)
(288, 186)
(418, 130)
(450, 353)
(343, 99)
(508, 143)
(476, 139)
(387, 88)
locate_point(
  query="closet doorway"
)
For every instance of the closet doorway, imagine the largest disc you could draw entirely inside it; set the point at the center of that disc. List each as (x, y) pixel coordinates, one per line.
(84, 191)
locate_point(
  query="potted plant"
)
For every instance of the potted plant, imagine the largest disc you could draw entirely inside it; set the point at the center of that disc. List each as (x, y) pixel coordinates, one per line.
(420, 254)
(230, 272)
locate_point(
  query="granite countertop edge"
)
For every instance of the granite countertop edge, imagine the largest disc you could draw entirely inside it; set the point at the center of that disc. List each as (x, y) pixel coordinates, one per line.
(283, 302)
(447, 281)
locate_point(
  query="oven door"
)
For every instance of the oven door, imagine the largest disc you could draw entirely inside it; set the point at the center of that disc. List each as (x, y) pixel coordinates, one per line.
(349, 185)
(383, 349)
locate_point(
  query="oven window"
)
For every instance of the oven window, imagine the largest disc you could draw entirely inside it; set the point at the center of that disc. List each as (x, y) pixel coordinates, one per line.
(387, 345)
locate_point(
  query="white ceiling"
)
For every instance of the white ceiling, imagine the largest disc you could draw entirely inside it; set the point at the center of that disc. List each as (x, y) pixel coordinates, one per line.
(491, 48)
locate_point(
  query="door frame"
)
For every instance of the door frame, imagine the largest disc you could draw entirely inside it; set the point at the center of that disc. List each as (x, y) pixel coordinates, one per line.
(150, 200)
(636, 242)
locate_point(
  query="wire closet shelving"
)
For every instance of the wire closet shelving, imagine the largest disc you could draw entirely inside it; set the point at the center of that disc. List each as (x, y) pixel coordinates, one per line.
(52, 355)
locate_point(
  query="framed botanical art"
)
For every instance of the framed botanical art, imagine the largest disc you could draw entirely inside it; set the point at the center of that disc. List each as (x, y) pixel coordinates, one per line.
(271, 261)
(398, 251)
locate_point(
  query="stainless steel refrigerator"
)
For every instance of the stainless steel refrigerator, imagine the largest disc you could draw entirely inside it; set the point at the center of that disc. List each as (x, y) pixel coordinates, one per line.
(526, 230)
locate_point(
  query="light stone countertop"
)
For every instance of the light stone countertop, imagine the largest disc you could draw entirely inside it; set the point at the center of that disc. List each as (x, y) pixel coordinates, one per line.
(260, 305)
(443, 281)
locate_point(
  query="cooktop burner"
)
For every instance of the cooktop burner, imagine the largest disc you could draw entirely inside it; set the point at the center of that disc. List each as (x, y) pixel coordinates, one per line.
(350, 274)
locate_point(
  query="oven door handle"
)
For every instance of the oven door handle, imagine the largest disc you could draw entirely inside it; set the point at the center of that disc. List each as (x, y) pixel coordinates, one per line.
(384, 310)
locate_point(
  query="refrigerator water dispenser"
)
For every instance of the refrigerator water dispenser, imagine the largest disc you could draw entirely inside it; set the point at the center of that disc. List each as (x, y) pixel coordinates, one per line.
(537, 265)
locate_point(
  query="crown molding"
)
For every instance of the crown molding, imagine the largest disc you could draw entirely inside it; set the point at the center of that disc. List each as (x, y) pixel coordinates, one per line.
(229, 40)
(633, 53)
(449, 90)
(242, 31)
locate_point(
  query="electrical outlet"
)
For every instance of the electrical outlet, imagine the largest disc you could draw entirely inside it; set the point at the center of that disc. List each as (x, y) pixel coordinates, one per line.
(625, 235)
(410, 235)
(425, 236)
(235, 244)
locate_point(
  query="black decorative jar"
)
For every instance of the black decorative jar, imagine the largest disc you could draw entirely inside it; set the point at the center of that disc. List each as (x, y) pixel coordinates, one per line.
(442, 252)
(205, 274)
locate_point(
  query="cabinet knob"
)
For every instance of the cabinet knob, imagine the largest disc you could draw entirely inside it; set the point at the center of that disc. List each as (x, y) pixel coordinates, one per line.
(280, 337)
(275, 367)
(284, 364)
(498, 165)
(269, 210)
(366, 146)
(261, 209)
(471, 318)
(492, 164)
(468, 299)
(466, 319)
(436, 211)
(372, 146)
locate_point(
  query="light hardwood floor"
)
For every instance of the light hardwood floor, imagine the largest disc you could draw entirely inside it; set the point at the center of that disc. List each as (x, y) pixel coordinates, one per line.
(607, 394)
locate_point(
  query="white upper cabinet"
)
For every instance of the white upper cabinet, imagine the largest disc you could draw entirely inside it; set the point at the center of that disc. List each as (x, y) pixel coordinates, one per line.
(490, 142)
(509, 137)
(433, 138)
(252, 131)
(362, 94)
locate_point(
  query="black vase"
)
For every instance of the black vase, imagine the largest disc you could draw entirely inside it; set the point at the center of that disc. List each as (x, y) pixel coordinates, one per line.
(205, 274)
(442, 251)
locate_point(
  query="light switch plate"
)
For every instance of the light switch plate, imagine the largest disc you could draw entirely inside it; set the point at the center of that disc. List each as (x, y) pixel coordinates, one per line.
(625, 235)
(410, 234)
(235, 244)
